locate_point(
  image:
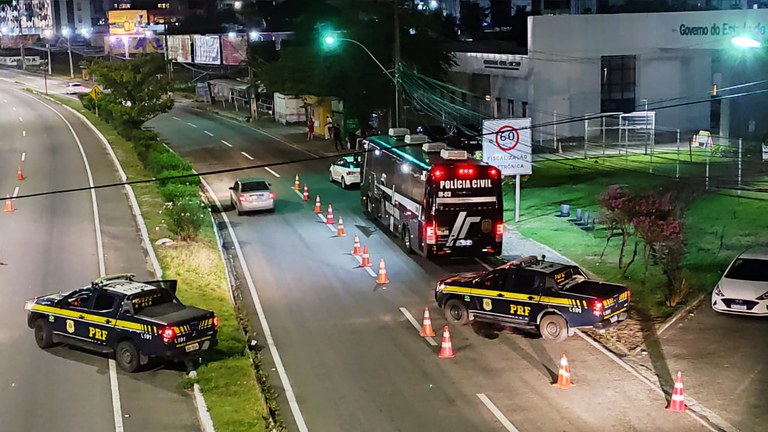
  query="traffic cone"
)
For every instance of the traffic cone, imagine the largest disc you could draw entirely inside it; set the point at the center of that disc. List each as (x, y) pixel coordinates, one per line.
(382, 279)
(340, 230)
(296, 184)
(366, 262)
(19, 174)
(677, 403)
(446, 349)
(318, 210)
(356, 247)
(329, 218)
(426, 325)
(564, 375)
(8, 203)
(306, 192)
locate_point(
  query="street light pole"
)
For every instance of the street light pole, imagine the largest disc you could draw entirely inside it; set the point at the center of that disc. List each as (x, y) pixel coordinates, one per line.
(67, 33)
(397, 63)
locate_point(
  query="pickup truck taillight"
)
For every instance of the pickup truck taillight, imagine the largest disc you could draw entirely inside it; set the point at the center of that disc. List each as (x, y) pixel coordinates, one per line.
(215, 322)
(597, 307)
(168, 334)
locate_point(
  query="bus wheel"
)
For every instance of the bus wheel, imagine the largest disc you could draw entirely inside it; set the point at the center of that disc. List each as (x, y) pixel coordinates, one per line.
(456, 312)
(406, 240)
(554, 328)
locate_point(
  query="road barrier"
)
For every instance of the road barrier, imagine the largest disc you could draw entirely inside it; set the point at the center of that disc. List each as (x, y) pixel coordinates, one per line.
(677, 403)
(564, 375)
(446, 348)
(426, 325)
(382, 279)
(340, 230)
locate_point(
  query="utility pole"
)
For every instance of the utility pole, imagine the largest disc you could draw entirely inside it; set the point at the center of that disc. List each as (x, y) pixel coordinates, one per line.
(397, 63)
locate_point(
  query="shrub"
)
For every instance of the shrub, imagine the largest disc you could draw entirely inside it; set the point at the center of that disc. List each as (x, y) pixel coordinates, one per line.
(159, 160)
(173, 192)
(87, 101)
(187, 217)
(184, 181)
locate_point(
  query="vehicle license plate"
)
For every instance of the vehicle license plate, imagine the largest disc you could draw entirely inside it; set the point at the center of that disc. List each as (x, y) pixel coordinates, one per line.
(739, 306)
(463, 242)
(192, 347)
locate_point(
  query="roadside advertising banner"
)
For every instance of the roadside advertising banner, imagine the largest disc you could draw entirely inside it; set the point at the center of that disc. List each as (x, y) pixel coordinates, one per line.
(25, 16)
(127, 22)
(119, 45)
(507, 145)
(234, 49)
(16, 41)
(179, 48)
(207, 49)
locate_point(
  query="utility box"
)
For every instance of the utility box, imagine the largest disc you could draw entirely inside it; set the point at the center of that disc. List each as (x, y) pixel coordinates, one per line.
(289, 109)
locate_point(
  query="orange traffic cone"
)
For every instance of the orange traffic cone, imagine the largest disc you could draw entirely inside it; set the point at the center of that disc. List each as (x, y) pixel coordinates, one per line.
(19, 174)
(306, 192)
(366, 262)
(382, 279)
(296, 184)
(426, 325)
(677, 403)
(318, 210)
(446, 349)
(340, 230)
(356, 247)
(564, 375)
(329, 218)
(8, 203)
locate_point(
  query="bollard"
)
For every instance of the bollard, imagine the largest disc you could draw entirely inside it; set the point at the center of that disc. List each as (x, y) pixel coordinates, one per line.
(565, 210)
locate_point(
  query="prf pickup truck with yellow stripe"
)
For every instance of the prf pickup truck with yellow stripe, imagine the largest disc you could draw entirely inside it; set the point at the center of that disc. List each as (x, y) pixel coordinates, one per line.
(116, 314)
(552, 297)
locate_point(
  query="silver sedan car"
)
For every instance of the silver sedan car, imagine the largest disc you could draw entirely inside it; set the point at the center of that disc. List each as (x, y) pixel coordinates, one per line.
(743, 289)
(250, 194)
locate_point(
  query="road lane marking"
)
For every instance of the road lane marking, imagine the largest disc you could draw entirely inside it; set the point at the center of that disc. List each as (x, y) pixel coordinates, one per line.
(226, 143)
(415, 323)
(247, 155)
(176, 118)
(23, 133)
(272, 171)
(210, 134)
(21, 119)
(192, 124)
(487, 266)
(289, 394)
(499, 416)
(23, 156)
(276, 138)
(368, 269)
(14, 108)
(16, 192)
(117, 410)
(300, 193)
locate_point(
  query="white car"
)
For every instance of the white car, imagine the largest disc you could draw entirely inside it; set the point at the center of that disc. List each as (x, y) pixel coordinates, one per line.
(743, 289)
(346, 170)
(249, 194)
(75, 88)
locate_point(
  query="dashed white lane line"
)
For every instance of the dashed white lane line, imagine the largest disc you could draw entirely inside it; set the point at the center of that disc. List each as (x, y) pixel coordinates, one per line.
(192, 124)
(23, 133)
(272, 172)
(226, 143)
(208, 133)
(247, 155)
(23, 156)
(21, 119)
(176, 118)
(486, 265)
(14, 108)
(499, 416)
(415, 323)
(368, 269)
(16, 192)
(300, 193)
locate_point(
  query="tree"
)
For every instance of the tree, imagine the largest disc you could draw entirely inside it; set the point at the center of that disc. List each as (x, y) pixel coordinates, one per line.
(137, 89)
(618, 211)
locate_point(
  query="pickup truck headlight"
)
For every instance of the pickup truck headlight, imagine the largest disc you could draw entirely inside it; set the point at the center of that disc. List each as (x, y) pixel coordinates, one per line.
(764, 296)
(719, 292)
(28, 305)
(439, 287)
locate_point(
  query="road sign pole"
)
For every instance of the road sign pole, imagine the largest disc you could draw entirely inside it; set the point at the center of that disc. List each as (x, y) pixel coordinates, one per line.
(517, 198)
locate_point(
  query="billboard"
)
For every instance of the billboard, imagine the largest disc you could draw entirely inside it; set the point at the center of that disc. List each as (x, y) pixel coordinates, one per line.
(179, 48)
(234, 49)
(507, 145)
(207, 49)
(127, 22)
(17, 41)
(119, 45)
(25, 16)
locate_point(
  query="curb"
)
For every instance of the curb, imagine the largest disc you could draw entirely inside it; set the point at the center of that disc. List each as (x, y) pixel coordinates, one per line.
(677, 315)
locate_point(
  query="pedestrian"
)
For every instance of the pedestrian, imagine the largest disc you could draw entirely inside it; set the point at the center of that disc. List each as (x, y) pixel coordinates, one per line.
(337, 138)
(328, 127)
(310, 128)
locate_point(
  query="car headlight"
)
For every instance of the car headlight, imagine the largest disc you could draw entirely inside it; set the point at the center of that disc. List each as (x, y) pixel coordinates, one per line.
(440, 286)
(719, 292)
(29, 304)
(764, 296)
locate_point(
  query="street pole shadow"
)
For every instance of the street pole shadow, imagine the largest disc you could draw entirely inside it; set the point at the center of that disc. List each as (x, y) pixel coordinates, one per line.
(656, 353)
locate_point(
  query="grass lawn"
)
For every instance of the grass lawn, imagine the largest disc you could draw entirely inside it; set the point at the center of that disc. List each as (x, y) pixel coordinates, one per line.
(717, 226)
(227, 378)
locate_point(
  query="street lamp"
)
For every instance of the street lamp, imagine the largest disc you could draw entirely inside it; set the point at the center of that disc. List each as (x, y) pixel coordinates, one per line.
(66, 32)
(746, 42)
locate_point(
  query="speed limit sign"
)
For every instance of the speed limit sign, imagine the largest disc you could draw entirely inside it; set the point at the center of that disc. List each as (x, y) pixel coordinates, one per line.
(507, 145)
(507, 138)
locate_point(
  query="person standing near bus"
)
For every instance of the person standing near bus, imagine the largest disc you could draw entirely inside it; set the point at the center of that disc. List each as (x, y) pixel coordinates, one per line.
(310, 128)
(328, 127)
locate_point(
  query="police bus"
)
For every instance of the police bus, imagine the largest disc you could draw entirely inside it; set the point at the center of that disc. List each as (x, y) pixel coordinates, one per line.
(436, 199)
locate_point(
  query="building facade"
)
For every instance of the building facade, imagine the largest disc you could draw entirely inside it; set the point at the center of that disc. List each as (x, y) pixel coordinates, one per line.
(72, 14)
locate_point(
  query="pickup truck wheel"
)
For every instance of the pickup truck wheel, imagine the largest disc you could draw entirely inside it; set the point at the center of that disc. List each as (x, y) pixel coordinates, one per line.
(456, 312)
(554, 328)
(127, 356)
(43, 334)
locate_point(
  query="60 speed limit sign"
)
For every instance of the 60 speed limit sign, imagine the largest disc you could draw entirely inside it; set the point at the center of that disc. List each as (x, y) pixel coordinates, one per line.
(507, 138)
(507, 145)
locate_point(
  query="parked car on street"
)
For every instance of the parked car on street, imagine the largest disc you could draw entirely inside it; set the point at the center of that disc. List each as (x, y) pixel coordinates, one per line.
(346, 171)
(250, 194)
(743, 289)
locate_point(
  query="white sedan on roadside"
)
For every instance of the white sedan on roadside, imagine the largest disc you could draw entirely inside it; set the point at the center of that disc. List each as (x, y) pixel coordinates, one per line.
(75, 88)
(346, 171)
(743, 289)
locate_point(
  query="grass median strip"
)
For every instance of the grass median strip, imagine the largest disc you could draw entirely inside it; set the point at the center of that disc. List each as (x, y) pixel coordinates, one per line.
(234, 397)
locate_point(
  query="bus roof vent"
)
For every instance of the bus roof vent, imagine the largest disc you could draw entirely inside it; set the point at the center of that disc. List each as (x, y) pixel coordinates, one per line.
(398, 132)
(415, 139)
(453, 154)
(433, 147)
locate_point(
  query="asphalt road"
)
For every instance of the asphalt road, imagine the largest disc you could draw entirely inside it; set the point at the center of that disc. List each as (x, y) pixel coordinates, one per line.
(354, 359)
(49, 245)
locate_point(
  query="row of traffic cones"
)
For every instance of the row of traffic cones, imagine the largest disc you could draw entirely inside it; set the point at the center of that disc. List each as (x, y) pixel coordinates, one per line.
(8, 201)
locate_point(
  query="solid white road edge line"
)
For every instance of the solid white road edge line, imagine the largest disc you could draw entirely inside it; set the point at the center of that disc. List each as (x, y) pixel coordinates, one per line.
(116, 408)
(294, 405)
(415, 323)
(272, 172)
(694, 406)
(247, 155)
(192, 124)
(16, 192)
(208, 133)
(226, 143)
(499, 416)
